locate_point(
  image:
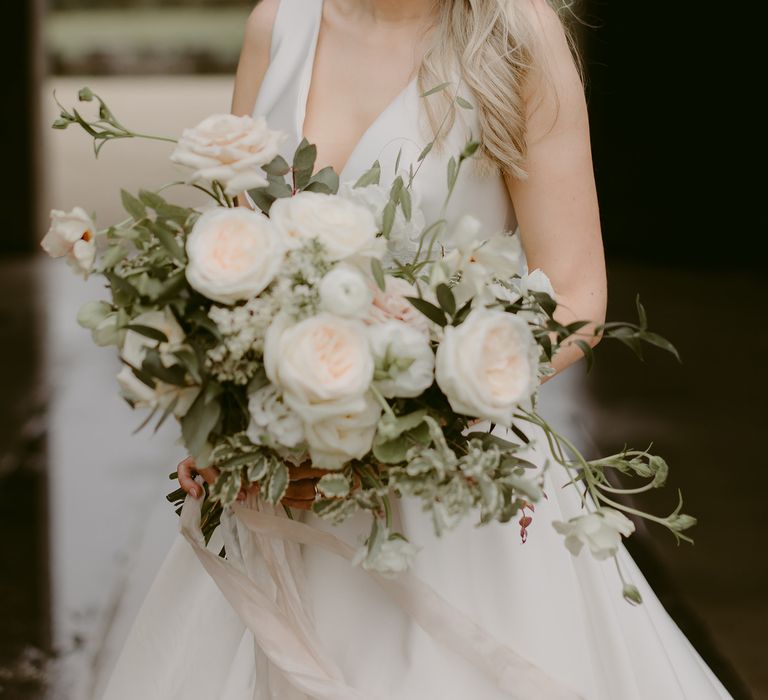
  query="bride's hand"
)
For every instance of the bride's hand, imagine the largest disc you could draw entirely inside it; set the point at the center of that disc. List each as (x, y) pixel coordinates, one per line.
(300, 493)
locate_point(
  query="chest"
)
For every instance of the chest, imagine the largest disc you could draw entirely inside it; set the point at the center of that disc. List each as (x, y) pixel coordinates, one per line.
(353, 79)
(341, 98)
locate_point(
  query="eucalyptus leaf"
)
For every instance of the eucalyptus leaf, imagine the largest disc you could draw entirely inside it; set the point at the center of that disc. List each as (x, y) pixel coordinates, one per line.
(589, 353)
(277, 166)
(406, 203)
(370, 177)
(325, 181)
(426, 151)
(123, 292)
(436, 89)
(446, 299)
(147, 331)
(388, 219)
(132, 205)
(661, 342)
(378, 274)
(198, 423)
(432, 312)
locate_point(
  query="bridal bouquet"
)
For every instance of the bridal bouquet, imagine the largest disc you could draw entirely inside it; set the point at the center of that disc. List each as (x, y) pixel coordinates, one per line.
(332, 323)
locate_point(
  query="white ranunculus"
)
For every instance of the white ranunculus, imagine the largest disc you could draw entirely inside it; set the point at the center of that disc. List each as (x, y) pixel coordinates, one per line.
(271, 417)
(233, 254)
(404, 359)
(600, 531)
(392, 304)
(72, 235)
(134, 350)
(334, 440)
(230, 150)
(345, 291)
(488, 365)
(344, 228)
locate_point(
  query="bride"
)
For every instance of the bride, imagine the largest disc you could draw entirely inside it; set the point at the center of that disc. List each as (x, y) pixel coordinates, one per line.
(351, 77)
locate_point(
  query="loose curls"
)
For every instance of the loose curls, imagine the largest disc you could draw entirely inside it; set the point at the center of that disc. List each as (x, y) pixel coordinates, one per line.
(493, 45)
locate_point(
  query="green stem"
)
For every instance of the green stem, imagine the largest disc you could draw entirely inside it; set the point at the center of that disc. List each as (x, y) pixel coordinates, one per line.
(167, 139)
(382, 401)
(632, 511)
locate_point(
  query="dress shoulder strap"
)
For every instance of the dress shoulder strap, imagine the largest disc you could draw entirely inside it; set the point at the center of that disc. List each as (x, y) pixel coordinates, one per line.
(294, 37)
(295, 23)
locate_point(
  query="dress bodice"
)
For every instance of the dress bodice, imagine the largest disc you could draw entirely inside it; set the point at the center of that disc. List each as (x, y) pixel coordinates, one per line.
(399, 128)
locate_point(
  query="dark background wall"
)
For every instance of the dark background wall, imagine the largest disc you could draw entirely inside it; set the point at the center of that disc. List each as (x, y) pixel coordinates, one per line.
(677, 135)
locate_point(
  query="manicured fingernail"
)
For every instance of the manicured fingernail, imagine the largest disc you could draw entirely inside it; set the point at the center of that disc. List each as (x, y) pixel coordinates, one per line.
(193, 493)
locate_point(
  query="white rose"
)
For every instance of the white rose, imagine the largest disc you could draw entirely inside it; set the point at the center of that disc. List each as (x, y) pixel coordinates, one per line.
(335, 440)
(344, 291)
(600, 531)
(392, 304)
(271, 417)
(488, 365)
(405, 363)
(233, 254)
(135, 349)
(72, 234)
(344, 228)
(230, 150)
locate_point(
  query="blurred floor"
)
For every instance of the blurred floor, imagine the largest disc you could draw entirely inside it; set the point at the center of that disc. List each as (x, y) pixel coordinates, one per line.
(108, 526)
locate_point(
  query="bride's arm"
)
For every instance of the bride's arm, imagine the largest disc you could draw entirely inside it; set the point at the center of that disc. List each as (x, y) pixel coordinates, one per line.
(556, 205)
(253, 63)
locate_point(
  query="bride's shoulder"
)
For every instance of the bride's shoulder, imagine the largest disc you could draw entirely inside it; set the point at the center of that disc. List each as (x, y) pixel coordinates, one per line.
(258, 28)
(254, 56)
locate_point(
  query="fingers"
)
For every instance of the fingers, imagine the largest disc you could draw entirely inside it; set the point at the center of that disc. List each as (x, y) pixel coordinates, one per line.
(186, 473)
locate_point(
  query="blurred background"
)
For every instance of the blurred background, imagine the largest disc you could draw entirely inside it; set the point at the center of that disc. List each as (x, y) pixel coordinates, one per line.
(83, 520)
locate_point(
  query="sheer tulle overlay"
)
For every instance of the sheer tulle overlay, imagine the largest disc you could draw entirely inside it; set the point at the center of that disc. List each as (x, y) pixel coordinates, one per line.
(480, 615)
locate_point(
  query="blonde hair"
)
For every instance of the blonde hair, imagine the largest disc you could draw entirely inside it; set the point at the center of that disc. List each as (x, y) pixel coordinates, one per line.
(493, 45)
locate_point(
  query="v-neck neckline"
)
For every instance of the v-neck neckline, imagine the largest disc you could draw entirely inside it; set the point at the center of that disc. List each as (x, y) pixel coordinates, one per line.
(303, 99)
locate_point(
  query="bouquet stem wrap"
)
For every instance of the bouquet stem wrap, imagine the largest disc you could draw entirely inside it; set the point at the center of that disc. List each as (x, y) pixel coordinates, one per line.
(283, 629)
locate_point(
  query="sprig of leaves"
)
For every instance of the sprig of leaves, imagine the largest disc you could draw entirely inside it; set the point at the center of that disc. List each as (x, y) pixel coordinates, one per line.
(102, 130)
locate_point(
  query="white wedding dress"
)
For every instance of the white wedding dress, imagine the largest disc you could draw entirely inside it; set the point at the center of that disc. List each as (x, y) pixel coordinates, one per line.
(526, 621)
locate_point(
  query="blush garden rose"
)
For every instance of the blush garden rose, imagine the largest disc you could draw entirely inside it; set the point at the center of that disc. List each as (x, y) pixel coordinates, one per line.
(488, 365)
(233, 254)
